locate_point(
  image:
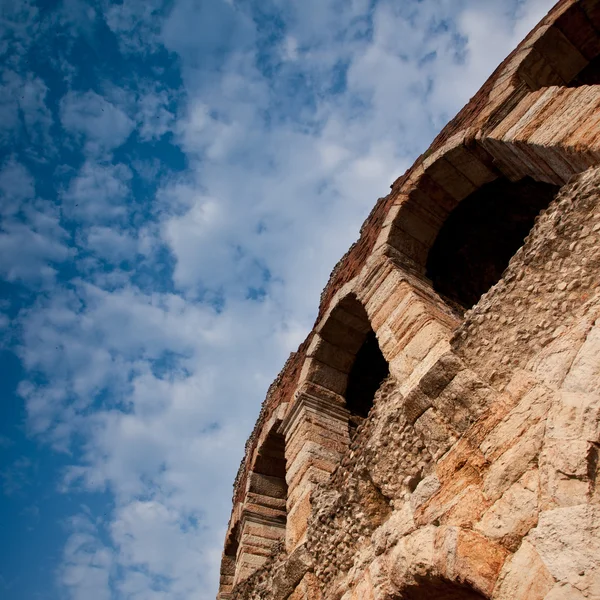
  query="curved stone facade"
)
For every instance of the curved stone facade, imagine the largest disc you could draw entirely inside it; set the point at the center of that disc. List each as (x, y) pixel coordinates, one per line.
(437, 435)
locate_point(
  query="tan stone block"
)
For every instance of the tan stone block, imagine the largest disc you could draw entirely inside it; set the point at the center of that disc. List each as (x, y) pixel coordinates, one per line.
(449, 179)
(439, 211)
(564, 592)
(555, 162)
(478, 561)
(436, 193)
(564, 466)
(514, 514)
(574, 416)
(364, 590)
(524, 576)
(416, 403)
(297, 523)
(414, 556)
(422, 367)
(532, 408)
(564, 57)
(506, 160)
(414, 220)
(531, 102)
(462, 455)
(307, 589)
(342, 334)
(331, 355)
(575, 105)
(309, 468)
(425, 339)
(537, 72)
(266, 485)
(372, 281)
(384, 313)
(553, 362)
(511, 465)
(568, 542)
(468, 508)
(506, 94)
(536, 105)
(538, 166)
(584, 139)
(467, 163)
(322, 374)
(584, 374)
(393, 280)
(408, 246)
(458, 502)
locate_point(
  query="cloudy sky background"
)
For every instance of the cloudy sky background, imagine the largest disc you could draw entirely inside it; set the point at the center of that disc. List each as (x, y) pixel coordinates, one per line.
(177, 180)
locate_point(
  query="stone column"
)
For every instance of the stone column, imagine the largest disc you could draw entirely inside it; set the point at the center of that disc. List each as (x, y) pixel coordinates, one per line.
(316, 433)
(261, 531)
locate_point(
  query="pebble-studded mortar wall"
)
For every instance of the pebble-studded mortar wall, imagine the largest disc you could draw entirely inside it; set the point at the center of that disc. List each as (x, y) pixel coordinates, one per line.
(547, 282)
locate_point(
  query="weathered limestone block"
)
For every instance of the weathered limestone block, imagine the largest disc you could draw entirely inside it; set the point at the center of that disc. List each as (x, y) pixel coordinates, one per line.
(510, 518)
(524, 577)
(510, 466)
(568, 542)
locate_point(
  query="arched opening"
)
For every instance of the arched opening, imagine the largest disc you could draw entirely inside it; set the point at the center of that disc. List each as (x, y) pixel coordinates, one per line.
(268, 474)
(366, 376)
(228, 561)
(567, 52)
(349, 353)
(479, 237)
(263, 517)
(590, 75)
(440, 589)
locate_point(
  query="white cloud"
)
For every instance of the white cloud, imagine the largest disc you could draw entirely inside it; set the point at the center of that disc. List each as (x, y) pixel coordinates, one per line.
(32, 241)
(110, 244)
(98, 193)
(87, 563)
(16, 187)
(103, 125)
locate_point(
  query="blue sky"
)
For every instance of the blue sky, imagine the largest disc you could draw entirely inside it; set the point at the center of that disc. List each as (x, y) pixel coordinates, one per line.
(177, 180)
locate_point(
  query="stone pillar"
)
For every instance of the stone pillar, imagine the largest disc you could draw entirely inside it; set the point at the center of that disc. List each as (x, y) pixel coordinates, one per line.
(261, 532)
(263, 516)
(316, 433)
(227, 576)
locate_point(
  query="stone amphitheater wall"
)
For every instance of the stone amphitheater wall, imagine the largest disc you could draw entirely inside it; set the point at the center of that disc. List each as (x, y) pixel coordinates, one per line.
(475, 472)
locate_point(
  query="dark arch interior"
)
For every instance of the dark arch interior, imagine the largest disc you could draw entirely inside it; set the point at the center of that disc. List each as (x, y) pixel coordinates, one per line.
(268, 473)
(478, 239)
(590, 75)
(440, 589)
(368, 372)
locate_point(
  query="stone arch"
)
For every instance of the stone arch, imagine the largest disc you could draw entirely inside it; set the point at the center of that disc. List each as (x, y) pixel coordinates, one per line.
(477, 240)
(549, 137)
(345, 357)
(566, 51)
(440, 589)
(258, 533)
(321, 422)
(446, 562)
(228, 563)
